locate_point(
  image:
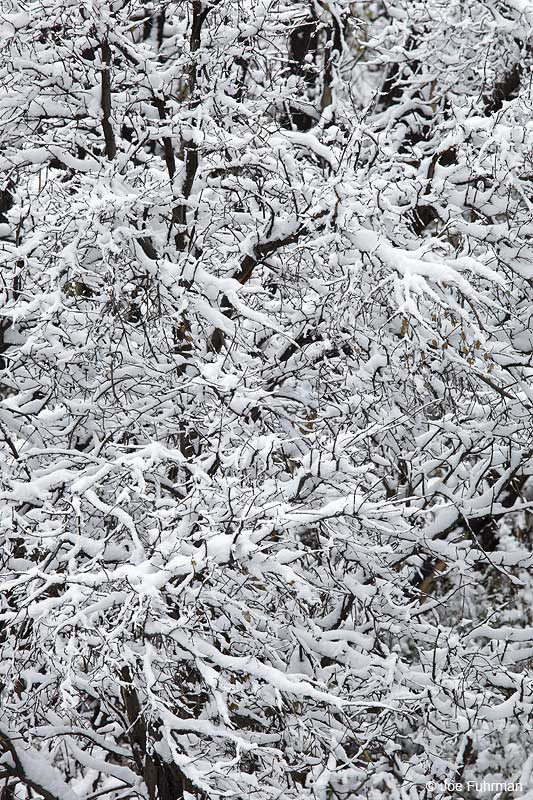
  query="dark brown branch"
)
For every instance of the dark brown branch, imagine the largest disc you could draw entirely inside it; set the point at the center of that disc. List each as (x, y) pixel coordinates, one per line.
(262, 251)
(55, 789)
(161, 27)
(109, 136)
(333, 51)
(504, 90)
(190, 150)
(303, 42)
(248, 264)
(483, 530)
(170, 161)
(164, 780)
(6, 200)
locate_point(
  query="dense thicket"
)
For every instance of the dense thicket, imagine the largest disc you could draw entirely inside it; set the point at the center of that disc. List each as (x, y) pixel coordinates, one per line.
(266, 389)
